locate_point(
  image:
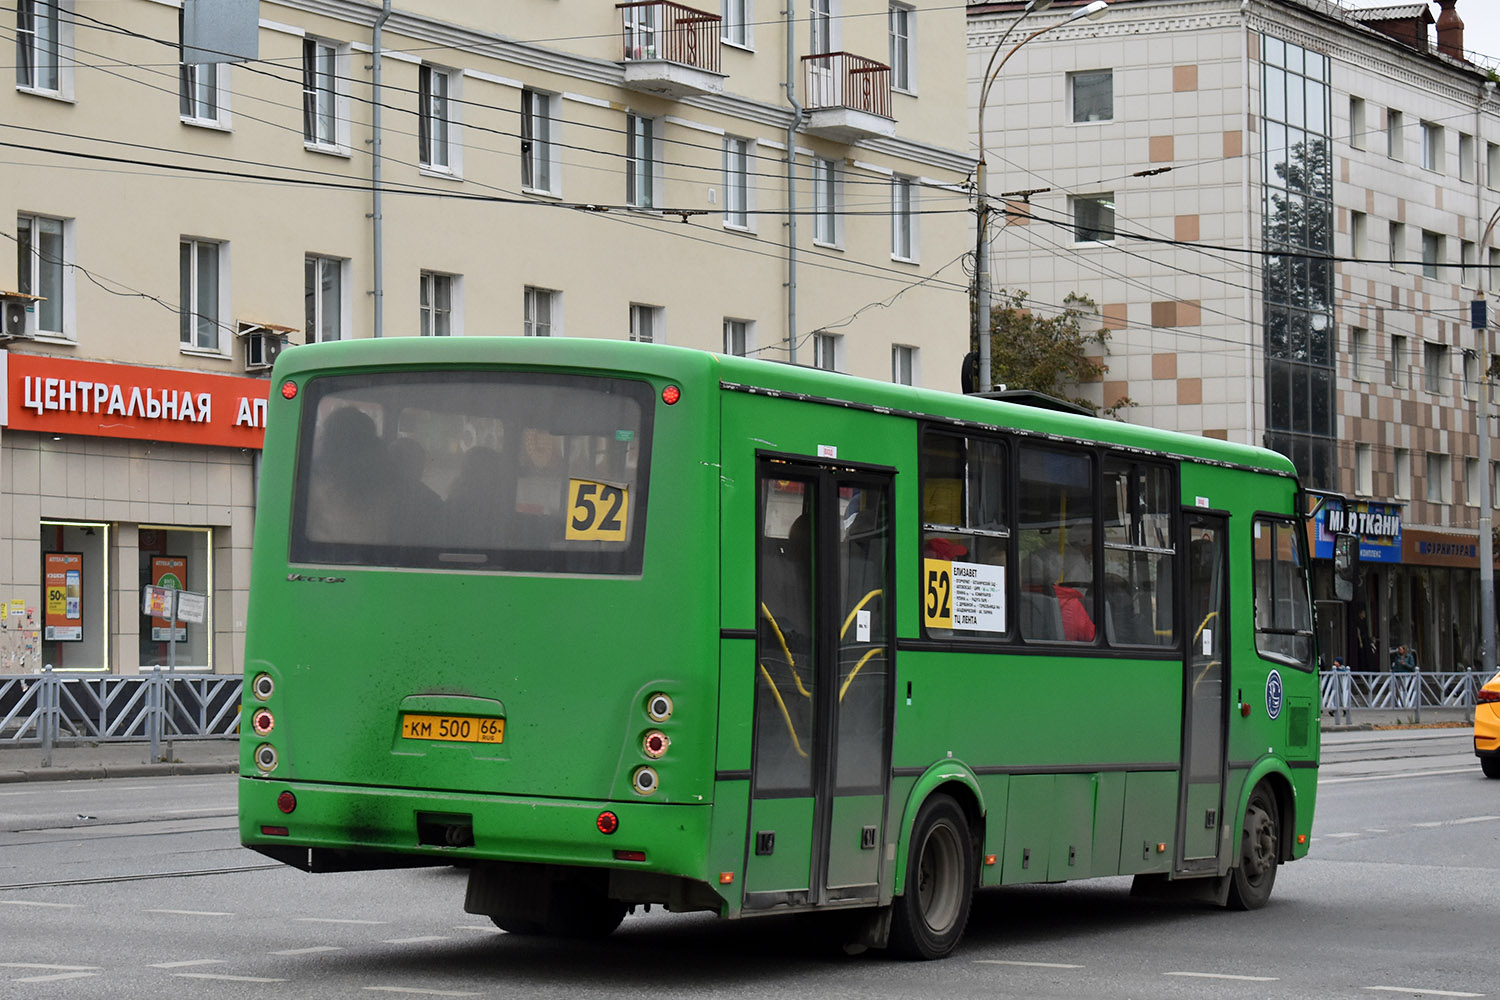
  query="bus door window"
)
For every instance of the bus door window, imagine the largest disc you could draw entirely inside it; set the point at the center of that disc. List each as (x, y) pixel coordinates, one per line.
(785, 678)
(1056, 513)
(1283, 608)
(1139, 499)
(862, 657)
(965, 529)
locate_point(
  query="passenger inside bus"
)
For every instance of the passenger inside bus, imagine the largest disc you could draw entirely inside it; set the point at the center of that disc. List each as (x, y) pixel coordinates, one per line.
(348, 500)
(1049, 608)
(481, 506)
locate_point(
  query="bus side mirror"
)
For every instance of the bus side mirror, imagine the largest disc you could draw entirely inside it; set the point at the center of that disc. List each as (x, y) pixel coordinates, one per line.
(1345, 565)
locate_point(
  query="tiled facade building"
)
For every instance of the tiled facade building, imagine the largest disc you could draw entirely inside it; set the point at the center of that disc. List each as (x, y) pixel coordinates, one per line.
(416, 168)
(1282, 209)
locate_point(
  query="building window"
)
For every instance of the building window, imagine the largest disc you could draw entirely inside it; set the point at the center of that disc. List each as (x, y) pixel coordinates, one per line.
(200, 264)
(1364, 470)
(1434, 367)
(1432, 253)
(903, 364)
(1398, 361)
(1359, 233)
(1467, 275)
(1393, 134)
(1433, 147)
(737, 337)
(1466, 164)
(1092, 94)
(825, 202)
(1360, 367)
(735, 23)
(1398, 244)
(827, 351)
(1471, 482)
(434, 117)
(903, 218)
(640, 161)
(1403, 474)
(737, 182)
(200, 92)
(903, 26)
(536, 140)
(323, 120)
(1470, 362)
(1492, 165)
(820, 27)
(1439, 478)
(645, 324)
(1494, 269)
(1094, 218)
(1357, 122)
(323, 298)
(435, 304)
(39, 28)
(540, 310)
(41, 270)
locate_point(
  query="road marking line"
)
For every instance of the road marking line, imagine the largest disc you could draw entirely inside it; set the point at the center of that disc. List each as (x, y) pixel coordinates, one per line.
(1475, 819)
(1032, 965)
(1224, 975)
(1383, 777)
(29, 902)
(334, 920)
(55, 978)
(185, 964)
(1422, 990)
(308, 951)
(421, 992)
(481, 928)
(37, 965)
(1338, 836)
(224, 978)
(418, 940)
(1429, 826)
(193, 913)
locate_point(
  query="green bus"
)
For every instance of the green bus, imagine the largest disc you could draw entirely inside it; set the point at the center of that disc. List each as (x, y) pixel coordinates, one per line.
(613, 624)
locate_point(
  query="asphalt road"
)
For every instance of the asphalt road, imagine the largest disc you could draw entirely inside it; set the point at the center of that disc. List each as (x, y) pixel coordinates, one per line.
(137, 888)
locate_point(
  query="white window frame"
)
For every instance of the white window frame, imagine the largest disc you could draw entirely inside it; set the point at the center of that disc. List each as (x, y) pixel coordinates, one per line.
(646, 324)
(642, 160)
(197, 84)
(1434, 252)
(1469, 373)
(1439, 478)
(32, 277)
(737, 26)
(827, 193)
(316, 302)
(1357, 125)
(1073, 111)
(532, 322)
(1395, 137)
(325, 95)
(1492, 166)
(439, 145)
(823, 27)
(901, 22)
(1359, 233)
(1360, 358)
(1398, 361)
(1402, 489)
(540, 163)
(1397, 235)
(1471, 482)
(1494, 268)
(189, 285)
(1468, 277)
(1436, 367)
(737, 186)
(430, 316)
(905, 369)
(1364, 470)
(1077, 202)
(905, 235)
(1466, 164)
(50, 52)
(828, 351)
(742, 331)
(1434, 147)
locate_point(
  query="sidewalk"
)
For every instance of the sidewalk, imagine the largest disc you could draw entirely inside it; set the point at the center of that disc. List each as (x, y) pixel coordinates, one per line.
(119, 760)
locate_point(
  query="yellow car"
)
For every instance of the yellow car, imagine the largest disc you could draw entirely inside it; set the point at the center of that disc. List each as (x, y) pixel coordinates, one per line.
(1487, 727)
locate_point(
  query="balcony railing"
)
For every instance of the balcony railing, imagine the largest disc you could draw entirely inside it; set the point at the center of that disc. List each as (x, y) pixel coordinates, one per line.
(845, 80)
(657, 30)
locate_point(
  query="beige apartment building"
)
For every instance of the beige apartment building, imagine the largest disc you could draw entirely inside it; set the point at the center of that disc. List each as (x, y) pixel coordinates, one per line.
(789, 185)
(1280, 208)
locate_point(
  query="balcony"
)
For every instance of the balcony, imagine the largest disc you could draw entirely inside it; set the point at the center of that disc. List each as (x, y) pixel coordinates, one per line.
(848, 97)
(670, 50)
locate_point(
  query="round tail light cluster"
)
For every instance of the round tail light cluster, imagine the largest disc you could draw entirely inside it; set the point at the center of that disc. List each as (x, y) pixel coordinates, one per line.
(263, 687)
(644, 780)
(655, 744)
(265, 757)
(659, 707)
(262, 722)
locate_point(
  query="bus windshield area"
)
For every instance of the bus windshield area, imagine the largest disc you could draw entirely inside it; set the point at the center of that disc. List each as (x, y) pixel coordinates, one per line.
(473, 470)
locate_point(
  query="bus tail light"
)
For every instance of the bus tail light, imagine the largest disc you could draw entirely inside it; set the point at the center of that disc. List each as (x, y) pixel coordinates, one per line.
(275, 831)
(263, 687)
(607, 822)
(659, 707)
(630, 855)
(670, 395)
(265, 757)
(286, 802)
(262, 722)
(655, 744)
(644, 780)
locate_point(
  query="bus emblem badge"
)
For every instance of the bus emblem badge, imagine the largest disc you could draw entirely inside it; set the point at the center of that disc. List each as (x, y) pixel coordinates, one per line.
(1273, 694)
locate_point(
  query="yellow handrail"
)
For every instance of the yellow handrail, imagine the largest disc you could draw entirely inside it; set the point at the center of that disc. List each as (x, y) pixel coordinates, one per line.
(791, 664)
(862, 602)
(796, 743)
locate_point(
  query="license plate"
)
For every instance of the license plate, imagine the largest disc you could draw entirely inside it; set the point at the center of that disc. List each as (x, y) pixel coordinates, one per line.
(453, 728)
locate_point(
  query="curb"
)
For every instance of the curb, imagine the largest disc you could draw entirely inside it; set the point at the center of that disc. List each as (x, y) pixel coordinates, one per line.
(96, 772)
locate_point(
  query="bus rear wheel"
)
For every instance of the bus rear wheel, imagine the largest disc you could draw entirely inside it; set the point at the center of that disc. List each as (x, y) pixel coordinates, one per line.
(929, 917)
(1260, 852)
(571, 910)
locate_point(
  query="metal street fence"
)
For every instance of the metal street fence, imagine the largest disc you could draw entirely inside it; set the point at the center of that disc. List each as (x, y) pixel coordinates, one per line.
(57, 709)
(1352, 691)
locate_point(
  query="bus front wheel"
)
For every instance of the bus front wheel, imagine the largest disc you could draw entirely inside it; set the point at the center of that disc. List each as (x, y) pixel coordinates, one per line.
(1260, 852)
(929, 917)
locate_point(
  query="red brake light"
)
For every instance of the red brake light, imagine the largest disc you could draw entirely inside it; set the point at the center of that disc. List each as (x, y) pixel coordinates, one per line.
(607, 822)
(671, 394)
(286, 802)
(289, 390)
(1486, 695)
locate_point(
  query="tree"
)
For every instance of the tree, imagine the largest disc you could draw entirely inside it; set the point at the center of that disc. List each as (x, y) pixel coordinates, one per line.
(1048, 354)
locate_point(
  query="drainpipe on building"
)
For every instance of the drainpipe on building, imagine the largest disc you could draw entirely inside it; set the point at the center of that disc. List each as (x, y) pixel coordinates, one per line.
(1245, 157)
(378, 292)
(791, 183)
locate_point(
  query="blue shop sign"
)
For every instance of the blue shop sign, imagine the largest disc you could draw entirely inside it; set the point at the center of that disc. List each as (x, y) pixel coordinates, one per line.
(1378, 526)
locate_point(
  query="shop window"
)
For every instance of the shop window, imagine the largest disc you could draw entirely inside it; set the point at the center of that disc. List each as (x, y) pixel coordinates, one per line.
(180, 559)
(74, 611)
(965, 537)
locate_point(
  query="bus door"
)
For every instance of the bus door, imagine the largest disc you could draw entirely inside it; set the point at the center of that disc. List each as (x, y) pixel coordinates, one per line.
(823, 669)
(1205, 695)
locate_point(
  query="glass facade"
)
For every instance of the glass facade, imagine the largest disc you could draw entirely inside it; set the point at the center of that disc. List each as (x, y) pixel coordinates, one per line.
(1297, 282)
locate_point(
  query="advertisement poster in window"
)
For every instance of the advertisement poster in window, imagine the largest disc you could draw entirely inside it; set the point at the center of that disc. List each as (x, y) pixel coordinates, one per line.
(169, 572)
(62, 574)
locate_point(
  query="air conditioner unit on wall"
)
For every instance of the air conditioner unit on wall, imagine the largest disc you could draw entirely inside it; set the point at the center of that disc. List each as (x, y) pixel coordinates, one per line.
(15, 321)
(262, 342)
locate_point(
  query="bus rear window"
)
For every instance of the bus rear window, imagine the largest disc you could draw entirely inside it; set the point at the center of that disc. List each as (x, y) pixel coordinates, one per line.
(476, 470)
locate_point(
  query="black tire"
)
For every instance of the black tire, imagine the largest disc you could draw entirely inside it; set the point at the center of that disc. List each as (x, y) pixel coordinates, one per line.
(573, 911)
(928, 919)
(1490, 766)
(519, 926)
(1251, 880)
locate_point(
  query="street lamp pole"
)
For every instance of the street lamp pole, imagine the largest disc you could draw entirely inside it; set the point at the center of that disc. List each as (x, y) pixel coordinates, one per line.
(1092, 11)
(1480, 322)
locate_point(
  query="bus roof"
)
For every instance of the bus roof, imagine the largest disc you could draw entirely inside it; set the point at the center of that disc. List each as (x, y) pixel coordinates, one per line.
(751, 374)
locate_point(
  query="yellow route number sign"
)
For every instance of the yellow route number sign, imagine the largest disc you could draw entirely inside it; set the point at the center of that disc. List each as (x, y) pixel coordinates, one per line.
(937, 593)
(597, 512)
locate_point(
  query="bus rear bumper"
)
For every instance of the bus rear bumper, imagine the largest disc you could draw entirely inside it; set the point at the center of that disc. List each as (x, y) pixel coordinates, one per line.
(350, 827)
